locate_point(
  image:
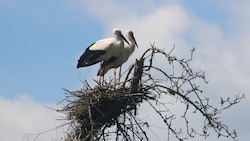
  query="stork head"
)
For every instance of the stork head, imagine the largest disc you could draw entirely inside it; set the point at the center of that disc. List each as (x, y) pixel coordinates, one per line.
(118, 33)
(130, 35)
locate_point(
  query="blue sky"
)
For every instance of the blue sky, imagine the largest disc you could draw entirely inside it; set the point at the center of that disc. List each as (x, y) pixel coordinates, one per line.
(40, 43)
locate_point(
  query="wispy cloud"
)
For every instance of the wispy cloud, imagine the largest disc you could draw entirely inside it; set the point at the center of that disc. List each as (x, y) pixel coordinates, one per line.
(24, 118)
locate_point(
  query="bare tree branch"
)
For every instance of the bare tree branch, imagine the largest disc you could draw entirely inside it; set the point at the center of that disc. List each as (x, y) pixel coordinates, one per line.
(103, 112)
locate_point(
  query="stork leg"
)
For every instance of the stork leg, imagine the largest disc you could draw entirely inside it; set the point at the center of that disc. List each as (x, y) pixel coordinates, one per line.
(101, 79)
(120, 74)
(115, 76)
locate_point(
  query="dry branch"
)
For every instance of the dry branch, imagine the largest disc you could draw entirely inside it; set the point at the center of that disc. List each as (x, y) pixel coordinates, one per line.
(95, 112)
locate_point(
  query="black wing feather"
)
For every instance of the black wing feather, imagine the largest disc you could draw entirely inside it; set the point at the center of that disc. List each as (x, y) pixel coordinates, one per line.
(90, 57)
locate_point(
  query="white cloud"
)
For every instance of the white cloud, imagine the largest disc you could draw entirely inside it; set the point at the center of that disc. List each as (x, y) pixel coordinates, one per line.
(23, 118)
(104, 10)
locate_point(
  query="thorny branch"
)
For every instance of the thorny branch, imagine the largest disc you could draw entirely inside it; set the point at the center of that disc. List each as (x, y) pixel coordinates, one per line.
(101, 113)
(183, 86)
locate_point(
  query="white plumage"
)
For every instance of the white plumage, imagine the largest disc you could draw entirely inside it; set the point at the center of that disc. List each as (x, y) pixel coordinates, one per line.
(103, 50)
(127, 50)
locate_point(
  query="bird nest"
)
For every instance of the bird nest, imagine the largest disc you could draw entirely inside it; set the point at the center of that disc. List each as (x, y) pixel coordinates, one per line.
(92, 110)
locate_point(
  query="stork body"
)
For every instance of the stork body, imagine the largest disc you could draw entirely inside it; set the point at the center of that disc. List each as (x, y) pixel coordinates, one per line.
(127, 50)
(102, 50)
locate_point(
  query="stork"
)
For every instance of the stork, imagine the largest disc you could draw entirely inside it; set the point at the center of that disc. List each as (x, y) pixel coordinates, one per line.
(103, 50)
(127, 50)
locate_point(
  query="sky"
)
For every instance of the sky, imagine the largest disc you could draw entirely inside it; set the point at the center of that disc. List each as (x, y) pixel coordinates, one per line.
(41, 41)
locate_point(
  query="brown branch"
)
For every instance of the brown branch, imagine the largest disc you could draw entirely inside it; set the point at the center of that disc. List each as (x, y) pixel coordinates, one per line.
(93, 110)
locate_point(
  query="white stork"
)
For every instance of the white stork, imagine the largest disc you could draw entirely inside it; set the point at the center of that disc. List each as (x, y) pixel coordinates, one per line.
(127, 50)
(103, 50)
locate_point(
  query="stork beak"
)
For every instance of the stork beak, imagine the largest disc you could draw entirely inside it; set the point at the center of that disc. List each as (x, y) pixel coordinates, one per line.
(125, 39)
(134, 41)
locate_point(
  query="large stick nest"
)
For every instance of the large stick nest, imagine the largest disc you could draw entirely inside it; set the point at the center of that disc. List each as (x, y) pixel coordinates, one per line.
(95, 109)
(109, 110)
